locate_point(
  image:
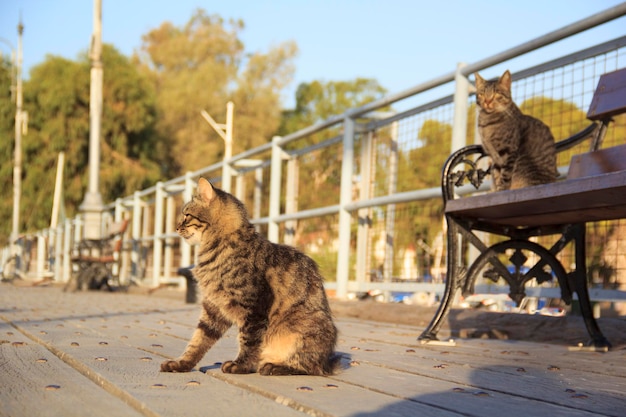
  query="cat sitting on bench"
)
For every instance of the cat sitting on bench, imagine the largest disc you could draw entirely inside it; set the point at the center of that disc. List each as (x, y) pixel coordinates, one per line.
(521, 147)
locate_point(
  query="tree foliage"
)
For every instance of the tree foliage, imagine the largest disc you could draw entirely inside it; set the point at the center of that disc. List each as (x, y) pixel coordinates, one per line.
(7, 123)
(56, 98)
(202, 66)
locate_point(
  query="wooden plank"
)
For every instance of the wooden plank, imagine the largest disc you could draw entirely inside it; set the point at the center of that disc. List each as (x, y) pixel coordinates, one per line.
(512, 374)
(118, 341)
(598, 162)
(34, 382)
(456, 396)
(355, 335)
(609, 98)
(93, 343)
(600, 197)
(320, 399)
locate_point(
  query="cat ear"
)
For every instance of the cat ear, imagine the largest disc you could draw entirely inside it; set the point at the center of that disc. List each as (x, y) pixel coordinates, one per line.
(205, 190)
(505, 80)
(479, 80)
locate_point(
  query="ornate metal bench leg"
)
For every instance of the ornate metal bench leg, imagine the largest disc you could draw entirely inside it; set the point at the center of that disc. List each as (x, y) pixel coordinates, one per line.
(580, 286)
(452, 284)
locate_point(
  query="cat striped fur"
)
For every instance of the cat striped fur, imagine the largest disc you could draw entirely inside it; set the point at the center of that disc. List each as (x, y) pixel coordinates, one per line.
(521, 147)
(273, 293)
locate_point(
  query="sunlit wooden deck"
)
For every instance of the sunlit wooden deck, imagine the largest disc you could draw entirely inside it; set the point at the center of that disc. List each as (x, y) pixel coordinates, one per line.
(98, 354)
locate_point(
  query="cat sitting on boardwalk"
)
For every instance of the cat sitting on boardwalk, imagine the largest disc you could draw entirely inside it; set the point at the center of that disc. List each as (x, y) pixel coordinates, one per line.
(521, 147)
(273, 293)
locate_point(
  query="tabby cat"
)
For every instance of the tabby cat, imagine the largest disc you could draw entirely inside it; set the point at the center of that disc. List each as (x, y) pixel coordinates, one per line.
(521, 147)
(273, 293)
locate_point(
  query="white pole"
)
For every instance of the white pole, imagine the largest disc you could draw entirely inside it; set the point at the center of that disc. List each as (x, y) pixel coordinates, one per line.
(345, 218)
(226, 132)
(461, 94)
(92, 204)
(58, 186)
(17, 167)
(228, 151)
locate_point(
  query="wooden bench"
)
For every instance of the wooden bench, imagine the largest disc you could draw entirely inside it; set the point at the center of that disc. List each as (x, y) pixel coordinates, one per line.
(97, 261)
(594, 190)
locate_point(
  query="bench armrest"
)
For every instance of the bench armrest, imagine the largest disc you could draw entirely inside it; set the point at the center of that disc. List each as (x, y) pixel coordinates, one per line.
(471, 165)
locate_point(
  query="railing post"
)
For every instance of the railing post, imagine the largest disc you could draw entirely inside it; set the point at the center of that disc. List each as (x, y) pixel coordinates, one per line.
(390, 217)
(170, 220)
(41, 253)
(363, 228)
(291, 200)
(136, 237)
(461, 94)
(275, 183)
(157, 246)
(239, 186)
(58, 253)
(345, 197)
(185, 248)
(67, 250)
(118, 215)
(258, 190)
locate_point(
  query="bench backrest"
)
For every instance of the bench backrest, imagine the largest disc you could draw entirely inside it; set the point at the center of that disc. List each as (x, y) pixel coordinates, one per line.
(609, 98)
(115, 234)
(598, 162)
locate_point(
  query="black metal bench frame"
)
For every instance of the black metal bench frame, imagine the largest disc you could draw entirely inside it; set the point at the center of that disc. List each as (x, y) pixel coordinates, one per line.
(94, 261)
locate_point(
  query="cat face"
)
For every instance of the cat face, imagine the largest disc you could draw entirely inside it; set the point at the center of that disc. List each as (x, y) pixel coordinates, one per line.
(210, 214)
(493, 96)
(190, 228)
(195, 217)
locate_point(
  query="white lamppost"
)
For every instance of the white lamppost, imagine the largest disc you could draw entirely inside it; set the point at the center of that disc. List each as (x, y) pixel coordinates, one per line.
(20, 128)
(92, 204)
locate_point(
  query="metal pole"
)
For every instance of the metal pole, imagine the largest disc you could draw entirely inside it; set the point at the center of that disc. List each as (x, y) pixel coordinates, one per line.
(92, 204)
(275, 183)
(390, 218)
(345, 218)
(226, 132)
(185, 250)
(228, 148)
(58, 187)
(461, 94)
(136, 237)
(157, 247)
(17, 167)
(291, 200)
(363, 230)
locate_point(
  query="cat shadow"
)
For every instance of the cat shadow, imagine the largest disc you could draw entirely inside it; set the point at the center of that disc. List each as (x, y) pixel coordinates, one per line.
(205, 369)
(344, 363)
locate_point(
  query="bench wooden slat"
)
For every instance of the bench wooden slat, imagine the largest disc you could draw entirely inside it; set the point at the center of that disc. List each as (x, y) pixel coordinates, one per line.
(599, 197)
(608, 99)
(598, 162)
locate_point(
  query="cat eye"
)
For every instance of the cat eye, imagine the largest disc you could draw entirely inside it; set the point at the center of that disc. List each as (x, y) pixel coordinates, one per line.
(188, 217)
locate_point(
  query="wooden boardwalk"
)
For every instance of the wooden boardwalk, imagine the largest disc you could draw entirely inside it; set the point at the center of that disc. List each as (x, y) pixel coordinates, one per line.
(98, 354)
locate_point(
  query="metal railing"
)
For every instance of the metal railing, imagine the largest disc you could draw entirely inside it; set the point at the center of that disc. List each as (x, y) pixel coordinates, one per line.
(360, 191)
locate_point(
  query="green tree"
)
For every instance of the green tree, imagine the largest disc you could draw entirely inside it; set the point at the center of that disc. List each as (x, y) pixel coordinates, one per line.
(57, 100)
(202, 66)
(319, 100)
(7, 143)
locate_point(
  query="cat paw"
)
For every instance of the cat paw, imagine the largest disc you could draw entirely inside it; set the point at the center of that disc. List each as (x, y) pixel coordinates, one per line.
(231, 367)
(176, 366)
(270, 369)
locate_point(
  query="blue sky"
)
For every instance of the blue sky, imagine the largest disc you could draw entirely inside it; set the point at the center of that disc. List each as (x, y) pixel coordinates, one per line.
(401, 43)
